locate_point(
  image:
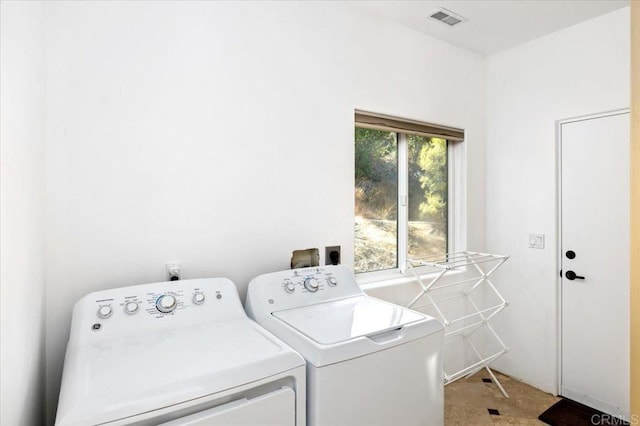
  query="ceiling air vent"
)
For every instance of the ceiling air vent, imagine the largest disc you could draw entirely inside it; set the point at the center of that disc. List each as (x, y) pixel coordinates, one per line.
(448, 17)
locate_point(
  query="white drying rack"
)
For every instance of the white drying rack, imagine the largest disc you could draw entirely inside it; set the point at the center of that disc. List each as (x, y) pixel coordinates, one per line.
(481, 266)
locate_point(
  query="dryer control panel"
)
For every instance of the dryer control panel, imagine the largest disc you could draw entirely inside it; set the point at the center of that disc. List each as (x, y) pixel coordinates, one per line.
(299, 287)
(149, 308)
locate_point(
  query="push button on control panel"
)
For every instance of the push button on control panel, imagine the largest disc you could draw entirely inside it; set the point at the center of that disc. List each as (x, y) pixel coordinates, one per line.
(105, 311)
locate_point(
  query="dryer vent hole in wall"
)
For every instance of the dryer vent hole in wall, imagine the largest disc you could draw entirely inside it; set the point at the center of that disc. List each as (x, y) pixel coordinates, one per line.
(305, 258)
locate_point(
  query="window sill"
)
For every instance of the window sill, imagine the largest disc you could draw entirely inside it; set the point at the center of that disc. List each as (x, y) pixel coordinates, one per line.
(376, 280)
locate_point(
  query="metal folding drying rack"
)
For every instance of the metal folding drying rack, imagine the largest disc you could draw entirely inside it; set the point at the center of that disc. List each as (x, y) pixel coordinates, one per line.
(482, 266)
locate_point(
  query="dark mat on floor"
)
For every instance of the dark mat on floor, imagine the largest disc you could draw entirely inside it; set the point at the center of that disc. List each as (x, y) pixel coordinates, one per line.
(570, 413)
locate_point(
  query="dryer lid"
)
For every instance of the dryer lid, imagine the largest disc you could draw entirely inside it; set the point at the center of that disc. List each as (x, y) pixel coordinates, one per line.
(343, 320)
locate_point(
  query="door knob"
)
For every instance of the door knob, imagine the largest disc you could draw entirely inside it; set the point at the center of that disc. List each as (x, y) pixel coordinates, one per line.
(573, 276)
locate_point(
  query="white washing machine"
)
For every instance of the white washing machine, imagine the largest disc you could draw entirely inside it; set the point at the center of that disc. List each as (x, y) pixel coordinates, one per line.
(369, 362)
(176, 353)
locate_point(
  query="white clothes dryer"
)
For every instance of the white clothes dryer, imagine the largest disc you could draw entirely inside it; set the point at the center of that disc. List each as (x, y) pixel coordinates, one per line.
(369, 362)
(176, 353)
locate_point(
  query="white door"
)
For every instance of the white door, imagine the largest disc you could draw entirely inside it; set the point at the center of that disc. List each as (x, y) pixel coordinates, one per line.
(595, 262)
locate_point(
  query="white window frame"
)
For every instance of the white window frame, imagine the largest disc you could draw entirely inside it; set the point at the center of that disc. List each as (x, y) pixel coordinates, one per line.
(456, 219)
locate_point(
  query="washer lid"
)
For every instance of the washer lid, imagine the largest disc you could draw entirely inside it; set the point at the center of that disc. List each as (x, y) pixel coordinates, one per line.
(346, 319)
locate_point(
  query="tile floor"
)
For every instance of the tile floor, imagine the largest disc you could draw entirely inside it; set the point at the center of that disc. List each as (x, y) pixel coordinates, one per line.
(467, 402)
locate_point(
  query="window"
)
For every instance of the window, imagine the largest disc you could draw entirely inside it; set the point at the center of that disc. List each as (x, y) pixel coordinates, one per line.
(401, 191)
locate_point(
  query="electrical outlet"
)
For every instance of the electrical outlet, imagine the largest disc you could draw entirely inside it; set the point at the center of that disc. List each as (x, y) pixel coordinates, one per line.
(173, 271)
(332, 255)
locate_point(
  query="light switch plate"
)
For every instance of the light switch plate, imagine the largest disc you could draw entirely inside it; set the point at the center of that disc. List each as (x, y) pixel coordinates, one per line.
(536, 241)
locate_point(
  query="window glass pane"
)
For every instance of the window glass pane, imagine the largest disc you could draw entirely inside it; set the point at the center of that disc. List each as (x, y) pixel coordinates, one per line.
(376, 200)
(428, 190)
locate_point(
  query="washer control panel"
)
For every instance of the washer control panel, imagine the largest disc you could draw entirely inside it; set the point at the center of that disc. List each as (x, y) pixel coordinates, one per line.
(158, 306)
(309, 280)
(299, 287)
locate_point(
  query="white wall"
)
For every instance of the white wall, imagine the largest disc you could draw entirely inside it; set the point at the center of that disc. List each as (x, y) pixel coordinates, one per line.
(22, 243)
(581, 70)
(221, 135)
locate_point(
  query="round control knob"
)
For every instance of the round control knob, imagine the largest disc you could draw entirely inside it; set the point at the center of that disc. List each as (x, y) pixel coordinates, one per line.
(105, 311)
(311, 284)
(131, 308)
(332, 281)
(166, 303)
(198, 298)
(290, 287)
